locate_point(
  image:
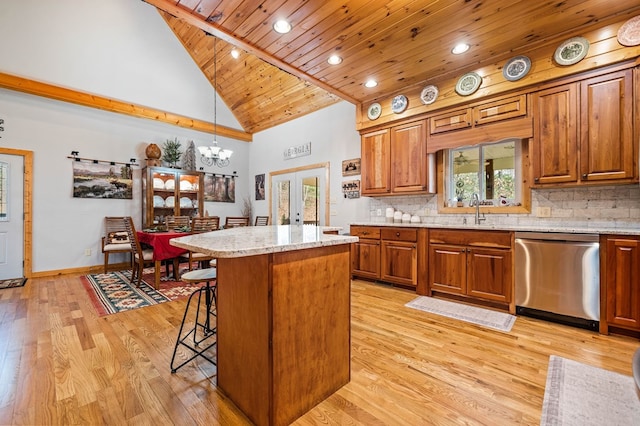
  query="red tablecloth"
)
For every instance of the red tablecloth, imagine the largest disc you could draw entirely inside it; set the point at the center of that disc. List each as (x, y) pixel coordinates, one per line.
(160, 242)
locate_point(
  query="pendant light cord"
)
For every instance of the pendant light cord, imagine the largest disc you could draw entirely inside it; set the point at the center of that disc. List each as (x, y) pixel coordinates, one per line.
(215, 89)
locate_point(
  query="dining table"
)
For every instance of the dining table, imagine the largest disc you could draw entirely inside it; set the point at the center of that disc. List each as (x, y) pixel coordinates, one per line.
(162, 250)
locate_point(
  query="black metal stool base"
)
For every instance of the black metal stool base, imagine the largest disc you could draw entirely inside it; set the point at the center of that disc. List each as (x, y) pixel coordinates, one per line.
(198, 338)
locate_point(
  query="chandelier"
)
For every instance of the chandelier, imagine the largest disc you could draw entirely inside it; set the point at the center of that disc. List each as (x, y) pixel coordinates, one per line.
(213, 154)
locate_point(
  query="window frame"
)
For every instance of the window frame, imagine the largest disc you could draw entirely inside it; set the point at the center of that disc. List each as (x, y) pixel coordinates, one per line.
(525, 188)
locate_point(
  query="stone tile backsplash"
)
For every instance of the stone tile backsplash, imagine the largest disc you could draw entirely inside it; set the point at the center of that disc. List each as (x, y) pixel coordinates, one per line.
(593, 207)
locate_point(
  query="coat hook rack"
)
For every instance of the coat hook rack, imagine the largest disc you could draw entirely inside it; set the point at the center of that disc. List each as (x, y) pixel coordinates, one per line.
(75, 156)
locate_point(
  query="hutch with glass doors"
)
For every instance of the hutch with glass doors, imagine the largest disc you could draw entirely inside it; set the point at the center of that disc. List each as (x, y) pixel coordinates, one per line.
(170, 192)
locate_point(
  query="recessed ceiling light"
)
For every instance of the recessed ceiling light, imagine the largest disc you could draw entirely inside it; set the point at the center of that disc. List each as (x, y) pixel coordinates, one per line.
(235, 53)
(281, 26)
(334, 59)
(460, 48)
(371, 83)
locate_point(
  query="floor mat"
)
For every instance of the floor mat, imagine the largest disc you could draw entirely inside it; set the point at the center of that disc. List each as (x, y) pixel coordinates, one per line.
(14, 282)
(111, 292)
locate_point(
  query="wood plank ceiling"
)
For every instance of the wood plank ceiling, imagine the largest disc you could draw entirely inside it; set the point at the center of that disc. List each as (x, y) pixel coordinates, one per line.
(399, 43)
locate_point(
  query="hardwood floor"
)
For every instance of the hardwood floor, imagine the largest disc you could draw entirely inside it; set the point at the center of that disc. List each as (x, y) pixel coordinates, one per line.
(61, 364)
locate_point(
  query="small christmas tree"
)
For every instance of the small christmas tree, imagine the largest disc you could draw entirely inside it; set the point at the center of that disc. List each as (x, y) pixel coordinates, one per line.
(171, 152)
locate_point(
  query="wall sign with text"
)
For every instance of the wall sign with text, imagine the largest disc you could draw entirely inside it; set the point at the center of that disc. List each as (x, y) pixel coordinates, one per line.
(297, 151)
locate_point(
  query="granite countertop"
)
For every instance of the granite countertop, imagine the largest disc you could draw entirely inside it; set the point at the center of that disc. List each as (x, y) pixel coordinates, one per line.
(254, 240)
(578, 229)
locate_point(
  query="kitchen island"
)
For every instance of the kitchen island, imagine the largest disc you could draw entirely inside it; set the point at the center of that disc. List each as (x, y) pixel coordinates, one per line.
(283, 316)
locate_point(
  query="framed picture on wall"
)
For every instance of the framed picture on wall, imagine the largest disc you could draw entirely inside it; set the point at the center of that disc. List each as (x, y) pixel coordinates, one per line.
(351, 167)
(260, 187)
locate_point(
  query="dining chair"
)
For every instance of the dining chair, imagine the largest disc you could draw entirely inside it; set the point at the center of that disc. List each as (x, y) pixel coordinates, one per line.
(199, 225)
(115, 238)
(261, 221)
(141, 257)
(174, 222)
(236, 221)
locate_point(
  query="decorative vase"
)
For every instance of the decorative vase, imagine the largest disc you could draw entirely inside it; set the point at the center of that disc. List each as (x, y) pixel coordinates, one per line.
(153, 152)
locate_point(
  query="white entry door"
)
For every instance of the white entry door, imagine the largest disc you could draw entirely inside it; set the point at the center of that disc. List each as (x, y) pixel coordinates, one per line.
(11, 216)
(298, 197)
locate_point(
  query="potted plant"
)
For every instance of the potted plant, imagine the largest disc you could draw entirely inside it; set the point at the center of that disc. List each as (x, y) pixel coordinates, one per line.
(171, 152)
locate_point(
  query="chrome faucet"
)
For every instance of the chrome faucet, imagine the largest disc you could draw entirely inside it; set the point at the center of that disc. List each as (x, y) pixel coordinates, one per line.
(476, 202)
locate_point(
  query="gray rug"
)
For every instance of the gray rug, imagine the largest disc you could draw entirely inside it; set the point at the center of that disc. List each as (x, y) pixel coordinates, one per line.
(578, 394)
(484, 317)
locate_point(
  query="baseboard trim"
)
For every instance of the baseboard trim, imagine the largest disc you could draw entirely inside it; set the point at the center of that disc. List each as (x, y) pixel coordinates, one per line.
(95, 269)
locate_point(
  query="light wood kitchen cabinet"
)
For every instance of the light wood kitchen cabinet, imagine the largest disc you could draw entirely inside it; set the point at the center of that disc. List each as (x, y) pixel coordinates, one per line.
(365, 254)
(376, 162)
(620, 278)
(473, 264)
(479, 114)
(409, 165)
(395, 161)
(170, 192)
(583, 132)
(399, 256)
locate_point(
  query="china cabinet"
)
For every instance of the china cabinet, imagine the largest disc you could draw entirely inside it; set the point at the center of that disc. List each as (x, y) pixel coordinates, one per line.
(170, 192)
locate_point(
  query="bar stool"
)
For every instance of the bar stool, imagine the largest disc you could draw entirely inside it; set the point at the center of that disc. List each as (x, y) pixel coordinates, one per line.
(207, 331)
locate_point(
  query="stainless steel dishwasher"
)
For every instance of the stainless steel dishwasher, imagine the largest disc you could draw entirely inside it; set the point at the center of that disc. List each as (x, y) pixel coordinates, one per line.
(557, 277)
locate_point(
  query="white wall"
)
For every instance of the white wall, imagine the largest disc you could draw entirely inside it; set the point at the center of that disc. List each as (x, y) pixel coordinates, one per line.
(333, 138)
(120, 49)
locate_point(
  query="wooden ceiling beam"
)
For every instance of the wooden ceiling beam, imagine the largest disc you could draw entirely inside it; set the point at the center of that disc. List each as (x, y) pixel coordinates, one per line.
(20, 84)
(171, 8)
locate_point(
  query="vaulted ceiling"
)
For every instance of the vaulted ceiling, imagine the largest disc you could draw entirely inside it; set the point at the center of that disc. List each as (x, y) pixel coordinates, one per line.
(399, 43)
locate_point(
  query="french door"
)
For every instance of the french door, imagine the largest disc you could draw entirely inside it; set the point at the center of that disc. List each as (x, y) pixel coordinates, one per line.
(300, 196)
(11, 216)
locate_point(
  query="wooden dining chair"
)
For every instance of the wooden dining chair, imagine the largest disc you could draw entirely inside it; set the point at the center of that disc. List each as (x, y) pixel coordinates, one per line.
(199, 225)
(115, 238)
(236, 221)
(174, 222)
(261, 221)
(140, 258)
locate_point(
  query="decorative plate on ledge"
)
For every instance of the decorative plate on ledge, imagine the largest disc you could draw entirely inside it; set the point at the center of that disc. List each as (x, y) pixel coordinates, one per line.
(629, 32)
(429, 95)
(516, 68)
(374, 111)
(468, 84)
(571, 51)
(399, 104)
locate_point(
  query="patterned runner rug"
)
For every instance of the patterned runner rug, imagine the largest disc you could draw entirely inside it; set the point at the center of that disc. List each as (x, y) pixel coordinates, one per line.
(484, 317)
(579, 394)
(14, 282)
(111, 293)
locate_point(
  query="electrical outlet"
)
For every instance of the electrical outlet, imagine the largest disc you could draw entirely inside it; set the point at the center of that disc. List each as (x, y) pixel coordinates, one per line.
(543, 212)
(334, 213)
(379, 212)
(87, 252)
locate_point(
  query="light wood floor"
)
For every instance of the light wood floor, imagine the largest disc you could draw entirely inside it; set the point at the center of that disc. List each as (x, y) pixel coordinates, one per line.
(61, 364)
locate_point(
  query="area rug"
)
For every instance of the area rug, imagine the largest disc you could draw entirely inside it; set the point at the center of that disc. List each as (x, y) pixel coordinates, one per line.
(578, 394)
(14, 282)
(111, 293)
(484, 317)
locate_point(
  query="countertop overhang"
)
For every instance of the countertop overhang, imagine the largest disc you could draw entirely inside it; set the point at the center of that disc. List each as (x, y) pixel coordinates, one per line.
(256, 240)
(502, 227)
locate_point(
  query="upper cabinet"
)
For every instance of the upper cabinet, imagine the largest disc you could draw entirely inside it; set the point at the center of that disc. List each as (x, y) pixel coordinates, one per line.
(395, 161)
(170, 192)
(479, 114)
(583, 132)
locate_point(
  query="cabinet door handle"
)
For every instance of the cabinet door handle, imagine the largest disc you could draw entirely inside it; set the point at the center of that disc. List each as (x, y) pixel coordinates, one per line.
(584, 176)
(397, 234)
(536, 179)
(468, 250)
(462, 251)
